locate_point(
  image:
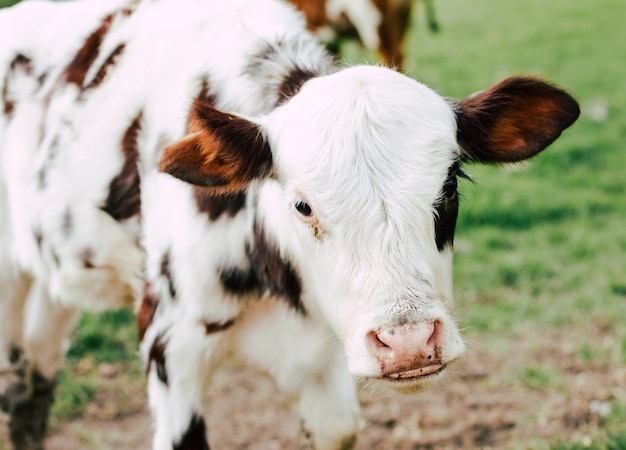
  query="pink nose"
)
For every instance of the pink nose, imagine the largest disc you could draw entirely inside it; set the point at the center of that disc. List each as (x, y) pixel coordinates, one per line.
(409, 350)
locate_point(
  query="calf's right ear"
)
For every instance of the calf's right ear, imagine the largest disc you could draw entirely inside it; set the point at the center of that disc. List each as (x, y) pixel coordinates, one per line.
(514, 120)
(224, 153)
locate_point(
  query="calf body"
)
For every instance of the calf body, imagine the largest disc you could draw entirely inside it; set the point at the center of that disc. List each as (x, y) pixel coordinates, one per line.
(207, 161)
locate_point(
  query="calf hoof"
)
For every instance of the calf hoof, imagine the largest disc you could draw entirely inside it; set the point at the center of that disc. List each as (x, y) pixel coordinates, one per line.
(27, 401)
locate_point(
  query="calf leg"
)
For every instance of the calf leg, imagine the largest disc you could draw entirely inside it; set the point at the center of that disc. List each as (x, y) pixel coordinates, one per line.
(14, 290)
(180, 360)
(329, 406)
(28, 399)
(12, 297)
(304, 357)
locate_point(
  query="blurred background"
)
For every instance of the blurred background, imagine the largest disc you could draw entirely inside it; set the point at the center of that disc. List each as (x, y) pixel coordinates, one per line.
(540, 267)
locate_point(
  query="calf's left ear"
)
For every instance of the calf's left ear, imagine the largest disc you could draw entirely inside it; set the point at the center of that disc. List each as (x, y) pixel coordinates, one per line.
(514, 120)
(225, 154)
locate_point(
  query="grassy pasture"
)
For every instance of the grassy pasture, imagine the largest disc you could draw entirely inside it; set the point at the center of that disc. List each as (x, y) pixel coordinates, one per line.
(540, 264)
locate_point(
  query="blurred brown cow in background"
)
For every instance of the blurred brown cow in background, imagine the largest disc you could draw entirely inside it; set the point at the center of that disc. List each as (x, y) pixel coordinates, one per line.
(379, 24)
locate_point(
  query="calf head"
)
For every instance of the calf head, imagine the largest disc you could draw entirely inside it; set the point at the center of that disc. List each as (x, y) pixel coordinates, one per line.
(356, 180)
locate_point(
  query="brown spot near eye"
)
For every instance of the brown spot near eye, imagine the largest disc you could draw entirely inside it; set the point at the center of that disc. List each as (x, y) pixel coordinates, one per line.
(318, 230)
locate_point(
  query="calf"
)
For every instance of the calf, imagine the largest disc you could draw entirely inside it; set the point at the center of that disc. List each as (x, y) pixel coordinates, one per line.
(208, 162)
(379, 24)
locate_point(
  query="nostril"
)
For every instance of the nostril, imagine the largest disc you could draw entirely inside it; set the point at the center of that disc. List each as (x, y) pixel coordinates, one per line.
(377, 342)
(434, 337)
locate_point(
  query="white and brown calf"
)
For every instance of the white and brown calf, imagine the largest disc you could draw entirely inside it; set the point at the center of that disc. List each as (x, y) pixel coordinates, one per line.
(207, 161)
(379, 24)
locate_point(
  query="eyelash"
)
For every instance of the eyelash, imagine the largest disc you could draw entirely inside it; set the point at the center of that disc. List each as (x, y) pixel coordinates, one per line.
(451, 184)
(303, 208)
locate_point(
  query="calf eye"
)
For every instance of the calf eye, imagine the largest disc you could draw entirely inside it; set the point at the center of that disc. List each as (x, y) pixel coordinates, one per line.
(450, 187)
(303, 208)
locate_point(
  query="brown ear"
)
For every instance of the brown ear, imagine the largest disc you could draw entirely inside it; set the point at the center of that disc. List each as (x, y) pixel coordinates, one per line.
(226, 154)
(513, 120)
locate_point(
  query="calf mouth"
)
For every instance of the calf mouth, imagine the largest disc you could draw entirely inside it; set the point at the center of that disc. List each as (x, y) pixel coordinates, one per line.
(416, 373)
(415, 380)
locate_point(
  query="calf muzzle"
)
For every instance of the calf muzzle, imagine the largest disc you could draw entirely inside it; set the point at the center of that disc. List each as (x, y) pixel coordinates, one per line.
(408, 351)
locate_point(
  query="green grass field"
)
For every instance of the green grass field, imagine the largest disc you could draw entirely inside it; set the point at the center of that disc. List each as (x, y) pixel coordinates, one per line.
(540, 247)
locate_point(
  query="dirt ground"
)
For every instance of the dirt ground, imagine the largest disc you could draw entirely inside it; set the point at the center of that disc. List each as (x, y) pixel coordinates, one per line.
(486, 402)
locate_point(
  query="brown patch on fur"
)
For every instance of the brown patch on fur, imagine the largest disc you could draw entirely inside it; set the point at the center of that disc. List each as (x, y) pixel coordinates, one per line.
(38, 235)
(124, 199)
(194, 437)
(42, 173)
(87, 258)
(77, 69)
(23, 61)
(292, 83)
(146, 312)
(157, 356)
(266, 271)
(514, 120)
(166, 272)
(205, 95)
(239, 281)
(226, 155)
(273, 272)
(314, 11)
(217, 327)
(102, 72)
(19, 61)
(318, 230)
(216, 205)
